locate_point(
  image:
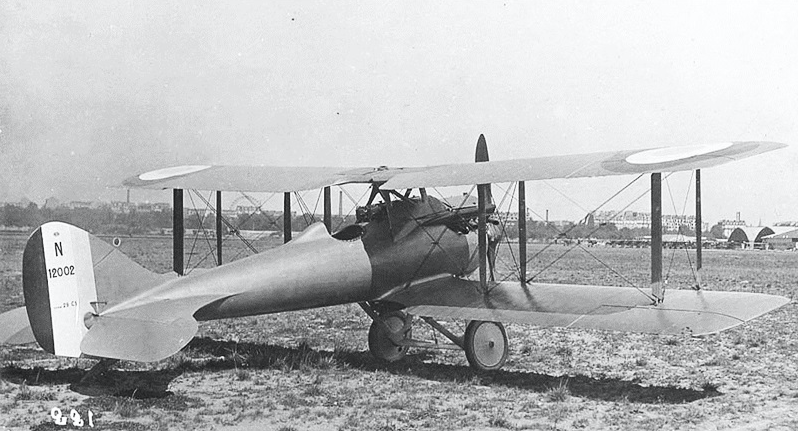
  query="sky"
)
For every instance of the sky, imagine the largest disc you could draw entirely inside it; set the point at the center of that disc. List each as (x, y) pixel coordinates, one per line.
(94, 92)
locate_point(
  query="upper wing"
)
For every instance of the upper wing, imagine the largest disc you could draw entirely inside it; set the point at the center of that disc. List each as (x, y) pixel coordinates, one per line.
(257, 178)
(668, 159)
(587, 307)
(287, 179)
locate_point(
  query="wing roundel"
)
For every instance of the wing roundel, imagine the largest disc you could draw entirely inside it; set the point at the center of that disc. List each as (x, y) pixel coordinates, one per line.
(611, 163)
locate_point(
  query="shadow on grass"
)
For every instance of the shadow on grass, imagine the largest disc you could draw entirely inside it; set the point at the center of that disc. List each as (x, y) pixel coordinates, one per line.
(205, 354)
(118, 383)
(251, 355)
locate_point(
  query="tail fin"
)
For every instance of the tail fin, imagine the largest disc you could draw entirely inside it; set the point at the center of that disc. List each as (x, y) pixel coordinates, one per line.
(68, 275)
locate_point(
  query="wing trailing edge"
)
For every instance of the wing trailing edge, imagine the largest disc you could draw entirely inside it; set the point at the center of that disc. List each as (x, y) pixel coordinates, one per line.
(586, 307)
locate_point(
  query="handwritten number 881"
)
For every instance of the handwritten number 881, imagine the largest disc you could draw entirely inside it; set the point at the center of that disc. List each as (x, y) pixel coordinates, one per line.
(77, 421)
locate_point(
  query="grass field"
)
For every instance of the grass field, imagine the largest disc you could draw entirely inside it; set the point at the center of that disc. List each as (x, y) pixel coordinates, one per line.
(312, 369)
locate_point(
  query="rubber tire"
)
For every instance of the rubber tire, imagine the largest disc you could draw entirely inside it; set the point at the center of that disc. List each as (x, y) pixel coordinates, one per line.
(380, 344)
(485, 344)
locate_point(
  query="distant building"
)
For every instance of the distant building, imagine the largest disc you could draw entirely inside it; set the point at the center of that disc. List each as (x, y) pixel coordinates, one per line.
(754, 236)
(782, 241)
(247, 209)
(730, 225)
(52, 202)
(510, 217)
(625, 219)
(120, 207)
(81, 205)
(642, 220)
(559, 223)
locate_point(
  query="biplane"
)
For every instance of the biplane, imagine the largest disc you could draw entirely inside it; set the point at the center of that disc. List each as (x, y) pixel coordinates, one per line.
(407, 255)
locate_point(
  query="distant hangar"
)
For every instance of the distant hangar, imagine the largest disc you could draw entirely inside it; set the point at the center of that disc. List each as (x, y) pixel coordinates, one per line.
(764, 237)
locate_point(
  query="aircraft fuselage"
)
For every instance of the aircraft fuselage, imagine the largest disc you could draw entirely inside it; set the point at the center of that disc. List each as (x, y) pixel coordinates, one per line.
(359, 263)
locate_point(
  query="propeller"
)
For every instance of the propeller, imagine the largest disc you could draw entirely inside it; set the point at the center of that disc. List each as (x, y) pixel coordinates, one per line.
(487, 254)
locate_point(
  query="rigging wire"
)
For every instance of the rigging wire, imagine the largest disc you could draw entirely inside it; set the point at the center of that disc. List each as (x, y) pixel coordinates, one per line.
(462, 219)
(354, 208)
(305, 210)
(318, 198)
(233, 229)
(566, 196)
(258, 209)
(565, 233)
(680, 235)
(196, 233)
(435, 244)
(595, 230)
(503, 224)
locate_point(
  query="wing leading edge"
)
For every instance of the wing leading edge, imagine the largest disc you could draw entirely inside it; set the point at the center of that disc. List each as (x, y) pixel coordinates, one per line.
(288, 179)
(587, 307)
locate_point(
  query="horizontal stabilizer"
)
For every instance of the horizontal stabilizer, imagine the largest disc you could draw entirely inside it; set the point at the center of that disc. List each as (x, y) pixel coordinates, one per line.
(137, 340)
(15, 328)
(588, 307)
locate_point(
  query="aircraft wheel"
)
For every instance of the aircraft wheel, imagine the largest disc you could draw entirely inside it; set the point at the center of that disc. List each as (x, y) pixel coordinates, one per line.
(380, 343)
(485, 345)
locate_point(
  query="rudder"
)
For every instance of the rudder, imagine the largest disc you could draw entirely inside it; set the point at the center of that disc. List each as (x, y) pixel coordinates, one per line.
(68, 275)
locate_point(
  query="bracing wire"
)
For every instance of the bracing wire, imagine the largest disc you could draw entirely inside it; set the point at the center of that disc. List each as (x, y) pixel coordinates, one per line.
(680, 236)
(503, 224)
(305, 209)
(318, 198)
(196, 233)
(233, 229)
(258, 209)
(354, 208)
(595, 230)
(565, 233)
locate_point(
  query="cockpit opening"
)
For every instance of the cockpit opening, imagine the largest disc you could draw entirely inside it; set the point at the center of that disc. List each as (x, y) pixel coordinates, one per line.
(349, 233)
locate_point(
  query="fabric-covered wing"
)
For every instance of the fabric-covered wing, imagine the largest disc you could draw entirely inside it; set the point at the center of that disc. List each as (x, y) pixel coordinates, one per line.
(669, 159)
(288, 179)
(587, 307)
(257, 178)
(237, 178)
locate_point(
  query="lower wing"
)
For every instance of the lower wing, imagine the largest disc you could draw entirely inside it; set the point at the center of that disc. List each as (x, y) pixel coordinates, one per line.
(589, 307)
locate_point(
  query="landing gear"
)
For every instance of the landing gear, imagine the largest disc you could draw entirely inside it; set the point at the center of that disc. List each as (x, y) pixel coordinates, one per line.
(485, 345)
(390, 335)
(384, 334)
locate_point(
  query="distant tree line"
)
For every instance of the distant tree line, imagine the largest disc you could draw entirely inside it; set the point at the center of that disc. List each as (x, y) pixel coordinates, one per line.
(261, 221)
(539, 230)
(104, 221)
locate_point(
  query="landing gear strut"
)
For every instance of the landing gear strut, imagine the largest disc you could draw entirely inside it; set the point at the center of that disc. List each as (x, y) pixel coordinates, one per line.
(390, 336)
